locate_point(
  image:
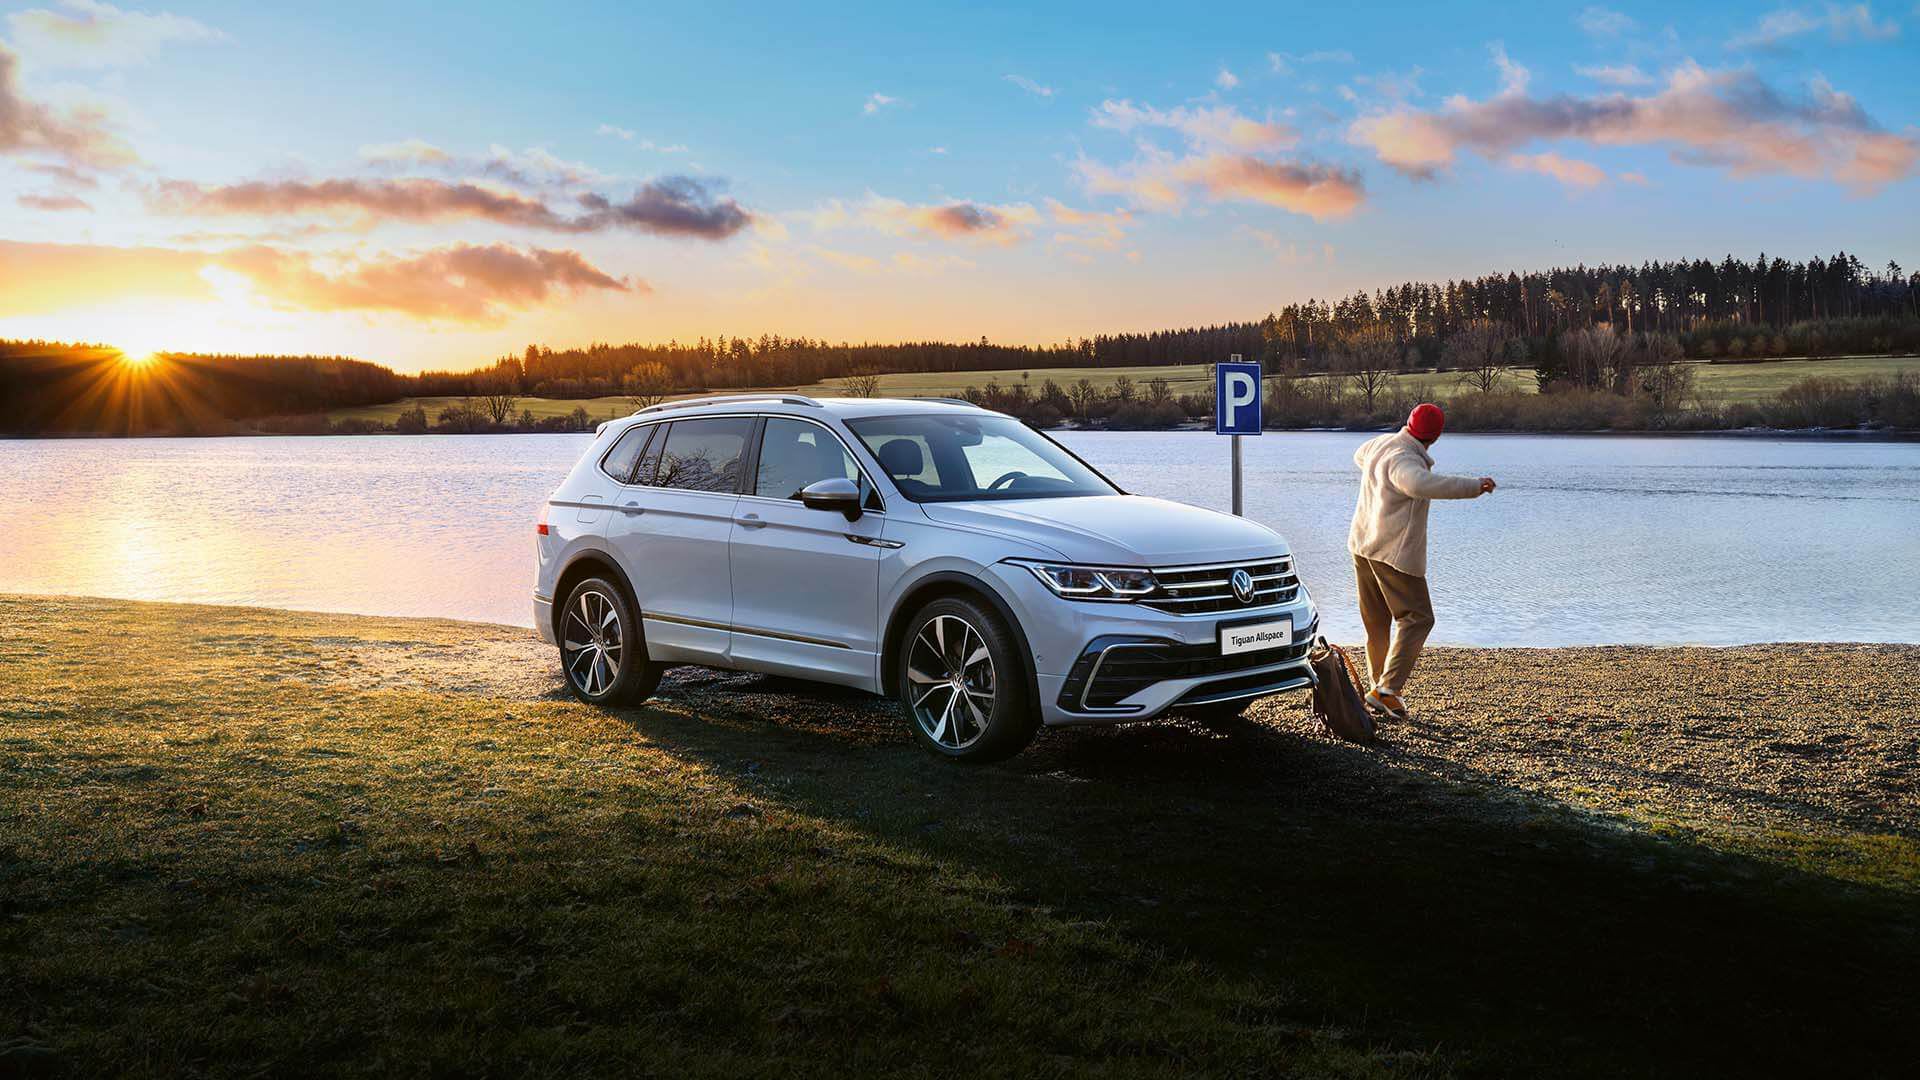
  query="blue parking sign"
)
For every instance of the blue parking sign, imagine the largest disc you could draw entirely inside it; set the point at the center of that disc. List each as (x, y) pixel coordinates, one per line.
(1236, 399)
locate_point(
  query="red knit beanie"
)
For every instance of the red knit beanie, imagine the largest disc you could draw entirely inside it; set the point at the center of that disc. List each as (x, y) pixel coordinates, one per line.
(1426, 421)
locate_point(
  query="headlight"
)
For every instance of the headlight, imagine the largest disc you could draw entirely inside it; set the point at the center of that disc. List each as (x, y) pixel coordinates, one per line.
(1094, 582)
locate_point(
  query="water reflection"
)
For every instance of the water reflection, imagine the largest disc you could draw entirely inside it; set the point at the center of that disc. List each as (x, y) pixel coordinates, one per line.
(1589, 539)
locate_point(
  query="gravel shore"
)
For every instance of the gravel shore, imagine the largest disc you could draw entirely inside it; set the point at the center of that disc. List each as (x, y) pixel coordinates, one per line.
(1808, 737)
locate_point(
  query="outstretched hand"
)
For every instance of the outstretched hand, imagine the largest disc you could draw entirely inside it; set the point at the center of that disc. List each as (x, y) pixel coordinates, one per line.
(1487, 484)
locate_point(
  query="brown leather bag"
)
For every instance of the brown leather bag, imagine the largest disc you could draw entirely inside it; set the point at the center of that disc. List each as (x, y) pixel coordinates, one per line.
(1336, 697)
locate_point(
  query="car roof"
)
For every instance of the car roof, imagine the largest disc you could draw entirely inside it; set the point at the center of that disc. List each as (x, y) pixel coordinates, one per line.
(774, 403)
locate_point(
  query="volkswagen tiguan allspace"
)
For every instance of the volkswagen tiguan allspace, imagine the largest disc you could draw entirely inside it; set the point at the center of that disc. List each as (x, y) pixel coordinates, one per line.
(929, 550)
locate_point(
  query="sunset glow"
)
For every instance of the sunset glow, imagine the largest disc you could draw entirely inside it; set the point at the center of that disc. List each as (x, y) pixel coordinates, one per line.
(1193, 170)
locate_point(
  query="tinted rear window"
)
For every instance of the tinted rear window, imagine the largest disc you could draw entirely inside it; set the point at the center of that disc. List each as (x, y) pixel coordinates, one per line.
(620, 460)
(704, 455)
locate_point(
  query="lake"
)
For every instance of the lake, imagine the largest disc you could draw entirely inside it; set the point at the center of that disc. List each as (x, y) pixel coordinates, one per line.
(1590, 540)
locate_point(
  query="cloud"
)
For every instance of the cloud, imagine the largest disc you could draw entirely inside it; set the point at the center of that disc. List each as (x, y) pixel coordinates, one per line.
(53, 202)
(1318, 191)
(1569, 171)
(1842, 22)
(77, 140)
(462, 283)
(877, 101)
(1226, 80)
(88, 34)
(465, 282)
(1282, 62)
(1162, 181)
(1513, 77)
(1727, 119)
(974, 222)
(1218, 125)
(531, 168)
(962, 220)
(1604, 22)
(1616, 74)
(1029, 85)
(410, 152)
(628, 135)
(1220, 163)
(671, 206)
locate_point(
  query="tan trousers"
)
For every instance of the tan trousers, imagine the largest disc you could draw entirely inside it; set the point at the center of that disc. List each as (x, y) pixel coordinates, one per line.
(1398, 615)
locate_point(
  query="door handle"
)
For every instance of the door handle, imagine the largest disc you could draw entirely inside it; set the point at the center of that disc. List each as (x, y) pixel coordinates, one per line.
(750, 521)
(633, 508)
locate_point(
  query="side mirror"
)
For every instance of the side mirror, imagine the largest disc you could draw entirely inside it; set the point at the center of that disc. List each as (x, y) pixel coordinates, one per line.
(833, 493)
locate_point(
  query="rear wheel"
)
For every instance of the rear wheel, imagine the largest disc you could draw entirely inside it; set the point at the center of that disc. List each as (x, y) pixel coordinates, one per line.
(602, 651)
(963, 682)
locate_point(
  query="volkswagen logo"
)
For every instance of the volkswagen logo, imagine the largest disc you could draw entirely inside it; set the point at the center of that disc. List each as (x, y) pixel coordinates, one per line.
(1242, 586)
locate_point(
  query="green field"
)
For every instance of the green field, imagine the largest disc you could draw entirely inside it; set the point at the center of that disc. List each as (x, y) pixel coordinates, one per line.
(1720, 383)
(604, 408)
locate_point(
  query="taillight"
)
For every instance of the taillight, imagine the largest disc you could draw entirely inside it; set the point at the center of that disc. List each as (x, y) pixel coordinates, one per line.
(541, 525)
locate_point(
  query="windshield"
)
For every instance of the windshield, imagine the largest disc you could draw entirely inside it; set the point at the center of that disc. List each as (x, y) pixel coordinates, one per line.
(944, 458)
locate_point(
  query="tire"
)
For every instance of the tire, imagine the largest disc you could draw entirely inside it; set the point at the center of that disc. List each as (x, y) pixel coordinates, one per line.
(603, 653)
(963, 682)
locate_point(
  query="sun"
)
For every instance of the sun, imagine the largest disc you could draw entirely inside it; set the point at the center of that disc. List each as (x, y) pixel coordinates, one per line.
(139, 355)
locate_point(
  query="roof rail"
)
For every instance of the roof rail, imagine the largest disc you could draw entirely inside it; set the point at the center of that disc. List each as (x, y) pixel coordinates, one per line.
(952, 401)
(688, 403)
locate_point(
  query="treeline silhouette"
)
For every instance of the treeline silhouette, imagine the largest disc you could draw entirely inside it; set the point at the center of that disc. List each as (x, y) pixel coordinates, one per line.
(1697, 309)
(51, 388)
(1767, 307)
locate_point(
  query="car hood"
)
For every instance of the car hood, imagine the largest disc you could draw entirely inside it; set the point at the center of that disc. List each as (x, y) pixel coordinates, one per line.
(1117, 530)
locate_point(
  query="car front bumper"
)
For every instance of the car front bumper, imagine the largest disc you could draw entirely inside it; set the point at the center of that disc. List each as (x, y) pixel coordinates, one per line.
(1077, 645)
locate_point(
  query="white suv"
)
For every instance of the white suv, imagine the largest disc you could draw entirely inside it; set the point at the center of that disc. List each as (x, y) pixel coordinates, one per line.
(931, 550)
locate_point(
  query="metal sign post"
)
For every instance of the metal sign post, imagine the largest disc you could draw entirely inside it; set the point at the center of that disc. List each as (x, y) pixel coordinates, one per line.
(1236, 410)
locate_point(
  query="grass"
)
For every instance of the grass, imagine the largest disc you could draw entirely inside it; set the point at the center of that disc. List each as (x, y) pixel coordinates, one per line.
(259, 850)
(1723, 383)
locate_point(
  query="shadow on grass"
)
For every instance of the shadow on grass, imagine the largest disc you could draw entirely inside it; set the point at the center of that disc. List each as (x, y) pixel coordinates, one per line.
(1514, 932)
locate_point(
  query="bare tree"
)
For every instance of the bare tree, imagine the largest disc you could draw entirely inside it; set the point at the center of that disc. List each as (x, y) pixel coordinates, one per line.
(1664, 375)
(1084, 395)
(1158, 392)
(1122, 389)
(1596, 356)
(1481, 351)
(862, 384)
(647, 385)
(498, 400)
(1370, 357)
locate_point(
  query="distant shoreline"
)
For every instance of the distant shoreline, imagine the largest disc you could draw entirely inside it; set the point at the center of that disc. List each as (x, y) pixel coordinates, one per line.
(1796, 434)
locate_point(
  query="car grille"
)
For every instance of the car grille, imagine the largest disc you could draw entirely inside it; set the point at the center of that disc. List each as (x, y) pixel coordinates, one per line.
(1129, 667)
(1209, 590)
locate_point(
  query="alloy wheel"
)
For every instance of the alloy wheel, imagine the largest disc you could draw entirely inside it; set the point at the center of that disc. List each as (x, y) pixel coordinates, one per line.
(951, 682)
(593, 643)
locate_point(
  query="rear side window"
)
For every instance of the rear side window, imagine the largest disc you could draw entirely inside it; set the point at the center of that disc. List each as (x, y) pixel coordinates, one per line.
(626, 453)
(704, 455)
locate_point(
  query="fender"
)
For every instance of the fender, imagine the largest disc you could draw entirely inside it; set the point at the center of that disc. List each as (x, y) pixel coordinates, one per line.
(948, 582)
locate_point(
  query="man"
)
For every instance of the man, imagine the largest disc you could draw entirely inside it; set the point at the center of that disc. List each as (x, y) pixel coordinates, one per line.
(1389, 545)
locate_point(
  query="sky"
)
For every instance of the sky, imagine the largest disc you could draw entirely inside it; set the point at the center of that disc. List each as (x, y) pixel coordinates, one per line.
(430, 190)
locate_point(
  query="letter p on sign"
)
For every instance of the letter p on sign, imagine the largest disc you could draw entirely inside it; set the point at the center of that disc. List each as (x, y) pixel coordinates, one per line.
(1236, 399)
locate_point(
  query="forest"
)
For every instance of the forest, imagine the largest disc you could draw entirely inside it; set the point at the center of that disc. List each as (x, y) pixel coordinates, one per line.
(1609, 329)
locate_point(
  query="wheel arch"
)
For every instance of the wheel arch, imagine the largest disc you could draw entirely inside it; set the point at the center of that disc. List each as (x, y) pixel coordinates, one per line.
(940, 584)
(589, 563)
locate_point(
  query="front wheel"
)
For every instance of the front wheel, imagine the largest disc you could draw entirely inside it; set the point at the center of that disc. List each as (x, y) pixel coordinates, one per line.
(602, 651)
(963, 684)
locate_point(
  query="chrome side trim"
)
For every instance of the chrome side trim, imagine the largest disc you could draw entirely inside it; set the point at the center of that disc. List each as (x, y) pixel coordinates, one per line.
(751, 631)
(874, 541)
(684, 621)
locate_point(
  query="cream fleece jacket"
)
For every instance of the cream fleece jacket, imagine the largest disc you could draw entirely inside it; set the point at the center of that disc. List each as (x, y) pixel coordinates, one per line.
(1396, 482)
